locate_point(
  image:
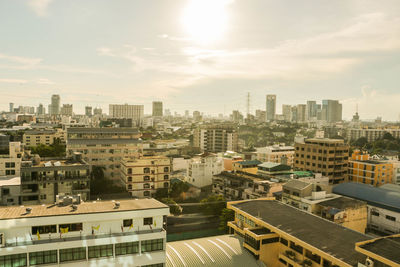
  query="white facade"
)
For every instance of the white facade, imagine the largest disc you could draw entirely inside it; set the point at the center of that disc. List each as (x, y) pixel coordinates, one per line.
(10, 165)
(276, 154)
(136, 112)
(383, 220)
(91, 232)
(202, 169)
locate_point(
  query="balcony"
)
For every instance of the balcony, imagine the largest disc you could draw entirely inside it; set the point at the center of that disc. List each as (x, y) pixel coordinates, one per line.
(82, 237)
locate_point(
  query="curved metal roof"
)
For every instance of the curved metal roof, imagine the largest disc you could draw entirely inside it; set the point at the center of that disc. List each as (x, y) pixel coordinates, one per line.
(221, 251)
(374, 196)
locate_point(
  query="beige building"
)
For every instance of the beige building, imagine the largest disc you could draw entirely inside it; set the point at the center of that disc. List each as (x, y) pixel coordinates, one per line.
(216, 138)
(104, 147)
(44, 137)
(321, 155)
(134, 112)
(280, 235)
(10, 165)
(143, 176)
(276, 154)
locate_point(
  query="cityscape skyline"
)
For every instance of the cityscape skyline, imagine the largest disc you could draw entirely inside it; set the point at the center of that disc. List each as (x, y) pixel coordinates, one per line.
(179, 57)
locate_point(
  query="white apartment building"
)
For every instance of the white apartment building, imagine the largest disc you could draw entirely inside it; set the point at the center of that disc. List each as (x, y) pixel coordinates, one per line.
(107, 233)
(10, 165)
(370, 134)
(276, 154)
(10, 190)
(135, 112)
(202, 168)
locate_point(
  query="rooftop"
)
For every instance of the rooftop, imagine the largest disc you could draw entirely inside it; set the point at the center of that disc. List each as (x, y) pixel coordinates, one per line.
(374, 196)
(19, 212)
(296, 184)
(338, 242)
(343, 203)
(248, 162)
(103, 141)
(101, 130)
(387, 247)
(221, 251)
(8, 181)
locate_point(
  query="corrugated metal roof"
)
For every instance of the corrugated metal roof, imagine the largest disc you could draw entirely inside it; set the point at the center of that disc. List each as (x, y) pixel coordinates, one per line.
(374, 196)
(221, 251)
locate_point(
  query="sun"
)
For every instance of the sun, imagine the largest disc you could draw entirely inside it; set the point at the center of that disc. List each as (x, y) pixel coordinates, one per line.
(205, 21)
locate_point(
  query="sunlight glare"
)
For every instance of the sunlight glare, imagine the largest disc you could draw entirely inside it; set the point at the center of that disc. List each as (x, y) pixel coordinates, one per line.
(205, 20)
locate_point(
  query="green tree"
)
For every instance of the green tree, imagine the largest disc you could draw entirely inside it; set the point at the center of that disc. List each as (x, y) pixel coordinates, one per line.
(213, 205)
(178, 188)
(174, 208)
(161, 193)
(227, 215)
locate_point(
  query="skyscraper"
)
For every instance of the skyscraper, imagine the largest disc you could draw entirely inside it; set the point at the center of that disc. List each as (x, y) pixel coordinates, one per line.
(97, 111)
(88, 111)
(311, 111)
(271, 107)
(40, 110)
(54, 107)
(286, 112)
(331, 110)
(11, 107)
(157, 109)
(66, 110)
(301, 113)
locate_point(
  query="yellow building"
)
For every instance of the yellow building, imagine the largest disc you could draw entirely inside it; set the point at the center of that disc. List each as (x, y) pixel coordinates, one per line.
(366, 171)
(246, 166)
(44, 137)
(143, 176)
(280, 235)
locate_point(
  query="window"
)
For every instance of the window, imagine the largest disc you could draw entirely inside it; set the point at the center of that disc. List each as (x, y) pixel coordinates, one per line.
(326, 263)
(129, 179)
(166, 169)
(128, 222)
(10, 172)
(15, 260)
(146, 170)
(390, 218)
(44, 229)
(146, 178)
(284, 241)
(166, 177)
(297, 248)
(100, 251)
(166, 185)
(251, 241)
(10, 164)
(374, 213)
(129, 187)
(43, 257)
(154, 265)
(314, 257)
(72, 254)
(148, 221)
(146, 193)
(152, 245)
(72, 227)
(146, 185)
(129, 170)
(126, 248)
(270, 240)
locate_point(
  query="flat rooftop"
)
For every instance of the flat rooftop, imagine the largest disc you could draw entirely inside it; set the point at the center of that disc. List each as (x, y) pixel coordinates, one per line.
(388, 248)
(14, 212)
(322, 234)
(103, 141)
(102, 130)
(343, 203)
(56, 163)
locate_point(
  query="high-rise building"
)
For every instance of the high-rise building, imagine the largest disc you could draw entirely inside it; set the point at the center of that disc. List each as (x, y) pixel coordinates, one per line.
(67, 110)
(286, 112)
(40, 110)
(97, 111)
(187, 113)
(311, 110)
(260, 116)
(11, 107)
(88, 111)
(216, 138)
(54, 107)
(157, 109)
(271, 107)
(327, 156)
(197, 115)
(301, 113)
(331, 110)
(134, 112)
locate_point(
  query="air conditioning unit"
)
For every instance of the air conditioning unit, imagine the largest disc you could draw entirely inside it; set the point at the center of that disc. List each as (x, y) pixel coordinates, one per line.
(369, 262)
(2, 240)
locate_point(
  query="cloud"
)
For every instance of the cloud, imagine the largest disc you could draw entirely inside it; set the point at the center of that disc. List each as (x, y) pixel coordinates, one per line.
(40, 7)
(2, 80)
(17, 62)
(44, 81)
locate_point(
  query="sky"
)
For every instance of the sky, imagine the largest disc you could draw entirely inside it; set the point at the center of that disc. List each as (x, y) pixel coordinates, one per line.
(202, 55)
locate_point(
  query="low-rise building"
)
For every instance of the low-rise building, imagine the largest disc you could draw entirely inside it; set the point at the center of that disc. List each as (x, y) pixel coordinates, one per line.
(383, 205)
(246, 166)
(10, 189)
(43, 179)
(10, 164)
(42, 137)
(280, 235)
(70, 233)
(364, 170)
(270, 169)
(276, 154)
(202, 168)
(144, 175)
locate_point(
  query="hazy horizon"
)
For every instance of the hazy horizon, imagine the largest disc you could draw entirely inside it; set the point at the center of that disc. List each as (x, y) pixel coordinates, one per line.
(202, 54)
